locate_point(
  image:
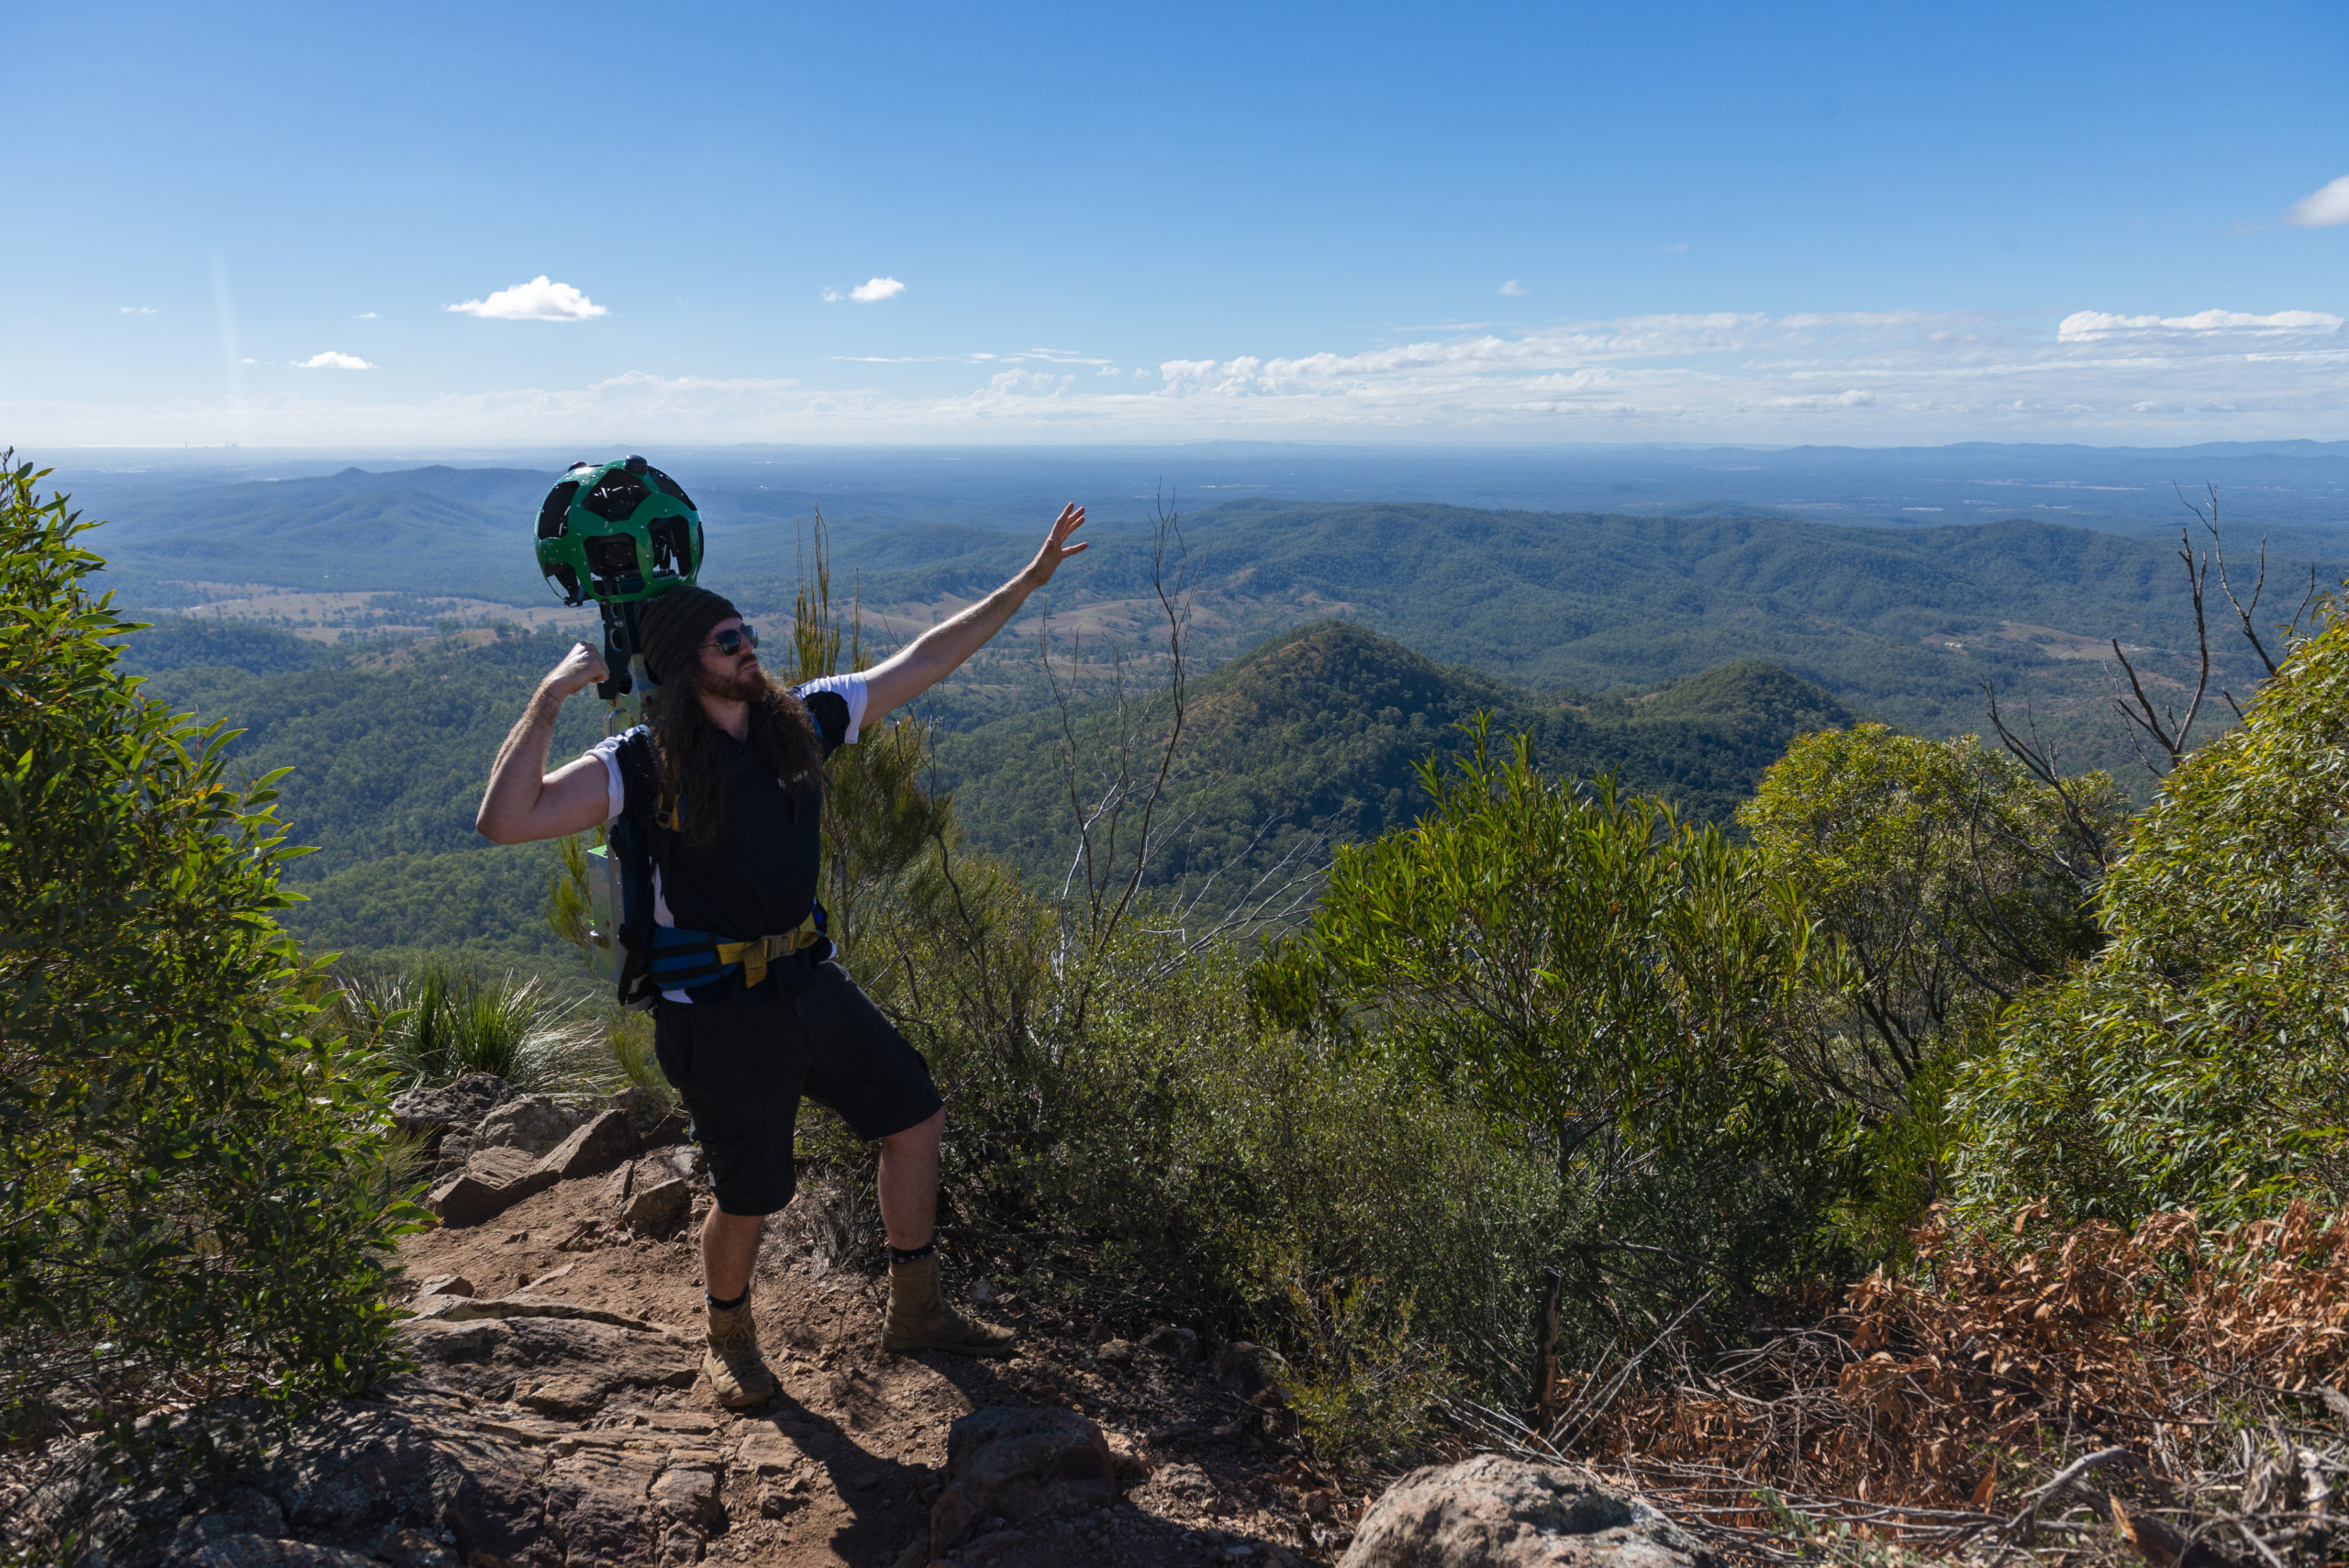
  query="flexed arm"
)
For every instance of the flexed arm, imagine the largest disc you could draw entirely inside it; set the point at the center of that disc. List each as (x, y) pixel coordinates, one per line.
(938, 652)
(523, 801)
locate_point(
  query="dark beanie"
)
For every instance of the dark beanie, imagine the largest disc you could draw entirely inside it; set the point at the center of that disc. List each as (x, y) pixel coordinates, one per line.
(673, 626)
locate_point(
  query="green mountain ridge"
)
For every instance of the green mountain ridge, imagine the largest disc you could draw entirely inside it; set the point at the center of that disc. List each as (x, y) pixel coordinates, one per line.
(1314, 737)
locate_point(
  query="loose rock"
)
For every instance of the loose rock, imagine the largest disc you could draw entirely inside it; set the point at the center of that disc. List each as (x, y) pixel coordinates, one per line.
(1005, 1463)
(458, 1106)
(1492, 1512)
(530, 1122)
(644, 1110)
(1175, 1342)
(493, 1181)
(592, 1150)
(659, 1209)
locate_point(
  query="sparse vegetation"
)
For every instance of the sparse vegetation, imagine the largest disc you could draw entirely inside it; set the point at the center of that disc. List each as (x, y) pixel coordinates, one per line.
(1828, 1174)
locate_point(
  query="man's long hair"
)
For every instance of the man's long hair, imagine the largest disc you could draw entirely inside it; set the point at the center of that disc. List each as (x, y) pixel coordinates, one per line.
(695, 755)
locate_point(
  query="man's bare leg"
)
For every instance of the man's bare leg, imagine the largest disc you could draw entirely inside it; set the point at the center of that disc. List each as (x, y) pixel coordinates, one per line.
(729, 1250)
(919, 1319)
(738, 1374)
(908, 1184)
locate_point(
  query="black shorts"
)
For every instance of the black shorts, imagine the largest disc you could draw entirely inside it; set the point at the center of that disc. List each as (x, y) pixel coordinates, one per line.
(742, 1065)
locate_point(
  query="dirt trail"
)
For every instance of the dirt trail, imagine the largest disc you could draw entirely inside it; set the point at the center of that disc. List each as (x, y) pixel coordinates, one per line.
(853, 1451)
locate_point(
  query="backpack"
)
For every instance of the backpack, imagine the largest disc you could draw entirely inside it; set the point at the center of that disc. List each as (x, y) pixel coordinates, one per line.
(652, 958)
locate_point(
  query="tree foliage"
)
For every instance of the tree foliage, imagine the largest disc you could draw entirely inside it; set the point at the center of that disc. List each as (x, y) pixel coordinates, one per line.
(190, 1192)
(2200, 1060)
(1948, 879)
(1605, 986)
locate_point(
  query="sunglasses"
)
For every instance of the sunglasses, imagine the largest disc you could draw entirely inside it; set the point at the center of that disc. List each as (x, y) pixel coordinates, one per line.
(734, 639)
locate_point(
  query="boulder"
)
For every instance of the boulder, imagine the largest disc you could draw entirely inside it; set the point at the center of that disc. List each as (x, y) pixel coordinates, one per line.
(1175, 1344)
(446, 1285)
(1013, 1465)
(659, 1208)
(647, 1113)
(1241, 1367)
(530, 1122)
(459, 1105)
(1494, 1512)
(594, 1149)
(493, 1181)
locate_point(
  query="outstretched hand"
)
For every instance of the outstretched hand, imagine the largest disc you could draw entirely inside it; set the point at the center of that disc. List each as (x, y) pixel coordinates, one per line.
(1056, 547)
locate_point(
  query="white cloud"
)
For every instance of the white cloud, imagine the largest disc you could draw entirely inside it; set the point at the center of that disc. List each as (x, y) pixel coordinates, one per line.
(873, 291)
(137, 310)
(540, 299)
(331, 360)
(1511, 290)
(366, 316)
(1674, 248)
(2323, 208)
(2086, 325)
(1906, 377)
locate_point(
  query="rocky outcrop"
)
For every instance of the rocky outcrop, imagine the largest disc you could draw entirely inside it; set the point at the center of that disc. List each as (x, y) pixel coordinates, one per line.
(602, 1143)
(533, 1123)
(495, 1177)
(440, 1475)
(1008, 1467)
(1492, 1512)
(459, 1105)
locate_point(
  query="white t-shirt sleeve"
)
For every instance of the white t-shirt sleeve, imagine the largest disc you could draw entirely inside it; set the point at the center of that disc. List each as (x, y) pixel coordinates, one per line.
(607, 750)
(851, 690)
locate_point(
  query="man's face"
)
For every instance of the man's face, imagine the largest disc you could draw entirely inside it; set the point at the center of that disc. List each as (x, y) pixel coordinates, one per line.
(724, 675)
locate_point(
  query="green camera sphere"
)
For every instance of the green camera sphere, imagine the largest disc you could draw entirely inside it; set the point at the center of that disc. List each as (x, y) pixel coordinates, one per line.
(617, 531)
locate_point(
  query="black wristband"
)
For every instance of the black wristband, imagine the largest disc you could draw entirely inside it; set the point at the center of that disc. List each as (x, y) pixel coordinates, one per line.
(717, 1306)
(900, 1255)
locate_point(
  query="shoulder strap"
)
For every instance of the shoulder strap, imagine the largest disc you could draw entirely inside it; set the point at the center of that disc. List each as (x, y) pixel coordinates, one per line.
(641, 792)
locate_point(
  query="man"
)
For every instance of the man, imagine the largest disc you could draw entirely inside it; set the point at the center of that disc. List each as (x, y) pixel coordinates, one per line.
(734, 759)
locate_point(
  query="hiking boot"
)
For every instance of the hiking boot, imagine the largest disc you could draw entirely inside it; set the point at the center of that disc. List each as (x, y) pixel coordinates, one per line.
(738, 1374)
(919, 1319)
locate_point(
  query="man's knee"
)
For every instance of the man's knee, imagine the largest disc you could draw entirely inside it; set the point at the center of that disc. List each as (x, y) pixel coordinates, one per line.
(922, 1135)
(733, 1227)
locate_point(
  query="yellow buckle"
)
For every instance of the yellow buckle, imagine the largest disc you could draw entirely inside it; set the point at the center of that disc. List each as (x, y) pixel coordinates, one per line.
(756, 954)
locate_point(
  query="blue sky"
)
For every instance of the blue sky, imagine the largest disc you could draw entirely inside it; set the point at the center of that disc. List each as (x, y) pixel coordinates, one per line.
(1549, 223)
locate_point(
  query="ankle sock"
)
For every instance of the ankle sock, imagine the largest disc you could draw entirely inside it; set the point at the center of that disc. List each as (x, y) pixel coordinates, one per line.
(717, 1306)
(913, 1255)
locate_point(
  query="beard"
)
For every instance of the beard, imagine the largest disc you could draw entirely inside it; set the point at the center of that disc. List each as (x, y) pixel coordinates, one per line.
(745, 682)
(695, 756)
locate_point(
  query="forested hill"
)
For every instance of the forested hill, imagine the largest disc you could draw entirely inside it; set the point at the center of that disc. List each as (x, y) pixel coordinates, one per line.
(1313, 734)
(1902, 621)
(1904, 624)
(1317, 734)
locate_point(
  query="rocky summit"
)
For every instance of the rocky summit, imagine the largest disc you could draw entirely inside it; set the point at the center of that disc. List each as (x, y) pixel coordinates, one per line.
(554, 1417)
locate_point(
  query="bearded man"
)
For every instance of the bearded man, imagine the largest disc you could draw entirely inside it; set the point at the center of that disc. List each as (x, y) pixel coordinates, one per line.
(753, 1015)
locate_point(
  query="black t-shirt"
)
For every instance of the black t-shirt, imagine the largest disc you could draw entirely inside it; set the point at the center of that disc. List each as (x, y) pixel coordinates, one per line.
(758, 878)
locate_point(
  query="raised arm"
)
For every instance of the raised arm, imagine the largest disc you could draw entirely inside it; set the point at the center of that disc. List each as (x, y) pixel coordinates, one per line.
(523, 801)
(938, 652)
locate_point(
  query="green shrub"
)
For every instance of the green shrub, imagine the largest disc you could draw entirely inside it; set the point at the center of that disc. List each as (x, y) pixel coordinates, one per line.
(195, 1197)
(1948, 879)
(438, 1020)
(2200, 1059)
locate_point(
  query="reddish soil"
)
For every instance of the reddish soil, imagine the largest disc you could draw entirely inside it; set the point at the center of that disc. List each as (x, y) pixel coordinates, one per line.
(1208, 1476)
